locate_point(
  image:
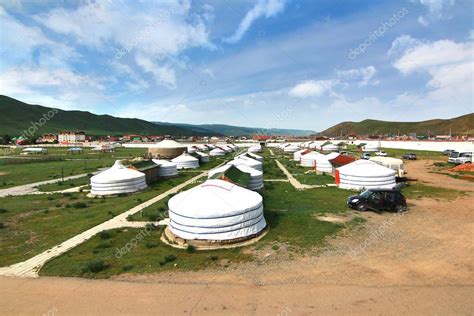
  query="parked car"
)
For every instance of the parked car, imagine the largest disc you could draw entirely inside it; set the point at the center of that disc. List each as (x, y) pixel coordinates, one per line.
(448, 152)
(381, 153)
(453, 156)
(365, 156)
(409, 156)
(378, 200)
(465, 157)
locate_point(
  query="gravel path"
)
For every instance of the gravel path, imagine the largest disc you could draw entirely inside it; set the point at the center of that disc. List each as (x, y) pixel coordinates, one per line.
(295, 183)
(31, 188)
(30, 267)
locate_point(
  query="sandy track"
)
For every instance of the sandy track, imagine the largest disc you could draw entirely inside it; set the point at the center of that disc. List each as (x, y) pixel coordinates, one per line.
(418, 263)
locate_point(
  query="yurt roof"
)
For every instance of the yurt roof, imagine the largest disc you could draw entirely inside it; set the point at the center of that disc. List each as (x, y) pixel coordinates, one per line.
(387, 160)
(366, 168)
(164, 163)
(214, 198)
(253, 172)
(217, 150)
(184, 157)
(169, 143)
(332, 156)
(233, 173)
(202, 154)
(118, 172)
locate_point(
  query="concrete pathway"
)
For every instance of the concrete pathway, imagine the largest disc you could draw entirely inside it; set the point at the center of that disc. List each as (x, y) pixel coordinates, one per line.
(295, 183)
(31, 267)
(31, 188)
(271, 152)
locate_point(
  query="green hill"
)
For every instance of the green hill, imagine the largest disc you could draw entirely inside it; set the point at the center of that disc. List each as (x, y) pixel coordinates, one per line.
(461, 125)
(230, 130)
(17, 116)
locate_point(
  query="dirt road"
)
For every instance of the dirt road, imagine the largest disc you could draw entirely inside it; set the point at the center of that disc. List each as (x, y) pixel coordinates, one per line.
(412, 264)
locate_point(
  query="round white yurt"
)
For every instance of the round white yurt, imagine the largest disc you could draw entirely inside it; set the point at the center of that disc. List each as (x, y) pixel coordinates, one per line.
(186, 161)
(247, 161)
(167, 149)
(118, 179)
(332, 155)
(371, 148)
(167, 168)
(297, 155)
(315, 145)
(202, 147)
(316, 159)
(366, 174)
(255, 149)
(191, 149)
(217, 152)
(390, 162)
(329, 147)
(225, 149)
(255, 180)
(254, 156)
(291, 149)
(216, 211)
(203, 157)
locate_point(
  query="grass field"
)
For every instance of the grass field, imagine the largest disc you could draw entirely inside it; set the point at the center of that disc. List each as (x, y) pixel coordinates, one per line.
(302, 175)
(18, 174)
(59, 186)
(418, 191)
(34, 223)
(291, 215)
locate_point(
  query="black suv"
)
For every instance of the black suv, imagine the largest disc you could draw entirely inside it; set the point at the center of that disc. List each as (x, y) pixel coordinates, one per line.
(409, 156)
(378, 200)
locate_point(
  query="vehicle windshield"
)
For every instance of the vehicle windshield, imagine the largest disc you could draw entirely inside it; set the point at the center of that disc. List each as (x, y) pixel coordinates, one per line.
(366, 194)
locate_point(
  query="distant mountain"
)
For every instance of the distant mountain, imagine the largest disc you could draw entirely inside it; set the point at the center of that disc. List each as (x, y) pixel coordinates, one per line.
(17, 116)
(230, 130)
(459, 125)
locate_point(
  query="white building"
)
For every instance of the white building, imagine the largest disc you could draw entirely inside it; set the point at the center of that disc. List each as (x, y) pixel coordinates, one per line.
(71, 137)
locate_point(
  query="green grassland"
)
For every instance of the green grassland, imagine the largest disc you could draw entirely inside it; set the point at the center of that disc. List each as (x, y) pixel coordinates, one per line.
(59, 186)
(34, 223)
(303, 176)
(89, 161)
(418, 191)
(291, 215)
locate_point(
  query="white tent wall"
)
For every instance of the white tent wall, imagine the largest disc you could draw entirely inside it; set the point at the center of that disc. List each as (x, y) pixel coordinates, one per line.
(216, 210)
(118, 179)
(365, 174)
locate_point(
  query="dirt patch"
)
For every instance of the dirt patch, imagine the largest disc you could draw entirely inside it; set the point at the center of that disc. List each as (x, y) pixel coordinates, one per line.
(333, 218)
(3, 173)
(424, 171)
(417, 262)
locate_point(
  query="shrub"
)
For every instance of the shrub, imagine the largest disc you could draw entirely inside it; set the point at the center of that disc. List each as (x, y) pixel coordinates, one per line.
(191, 249)
(94, 266)
(214, 258)
(67, 205)
(127, 267)
(275, 247)
(167, 259)
(2, 225)
(104, 245)
(58, 205)
(50, 198)
(80, 205)
(67, 194)
(105, 234)
(151, 244)
(2, 210)
(46, 211)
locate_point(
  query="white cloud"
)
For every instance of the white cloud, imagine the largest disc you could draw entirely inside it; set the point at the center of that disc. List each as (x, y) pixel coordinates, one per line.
(152, 34)
(312, 88)
(263, 8)
(163, 74)
(424, 56)
(363, 76)
(437, 10)
(450, 67)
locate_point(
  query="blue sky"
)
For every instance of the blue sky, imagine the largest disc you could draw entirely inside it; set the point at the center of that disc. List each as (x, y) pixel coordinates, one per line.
(266, 63)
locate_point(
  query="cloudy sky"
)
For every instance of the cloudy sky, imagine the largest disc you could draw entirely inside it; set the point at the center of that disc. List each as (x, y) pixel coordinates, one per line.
(266, 63)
